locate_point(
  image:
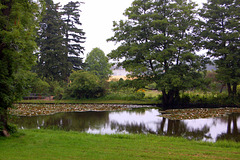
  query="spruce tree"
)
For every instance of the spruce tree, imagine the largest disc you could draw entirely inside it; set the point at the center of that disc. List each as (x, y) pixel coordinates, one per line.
(52, 59)
(74, 36)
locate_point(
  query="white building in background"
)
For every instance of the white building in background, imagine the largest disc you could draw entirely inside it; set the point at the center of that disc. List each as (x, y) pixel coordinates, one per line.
(118, 72)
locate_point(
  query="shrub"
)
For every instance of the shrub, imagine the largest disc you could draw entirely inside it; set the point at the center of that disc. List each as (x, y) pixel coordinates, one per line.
(30, 83)
(140, 94)
(185, 99)
(10, 128)
(57, 89)
(84, 85)
(152, 86)
(40, 86)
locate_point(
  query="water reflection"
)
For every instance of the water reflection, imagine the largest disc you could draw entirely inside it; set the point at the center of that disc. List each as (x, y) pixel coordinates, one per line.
(144, 121)
(232, 129)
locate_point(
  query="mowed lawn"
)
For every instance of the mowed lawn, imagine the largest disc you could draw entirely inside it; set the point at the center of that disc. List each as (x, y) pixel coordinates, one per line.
(60, 145)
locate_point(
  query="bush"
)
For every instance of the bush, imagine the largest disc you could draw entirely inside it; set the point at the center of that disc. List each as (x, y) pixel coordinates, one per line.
(57, 89)
(58, 92)
(40, 86)
(30, 83)
(152, 86)
(185, 99)
(10, 128)
(126, 84)
(140, 94)
(128, 94)
(84, 85)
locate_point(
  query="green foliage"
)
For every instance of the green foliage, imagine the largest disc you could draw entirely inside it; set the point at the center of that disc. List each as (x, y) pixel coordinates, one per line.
(216, 99)
(238, 89)
(84, 85)
(125, 90)
(18, 27)
(74, 36)
(140, 93)
(11, 128)
(220, 35)
(152, 86)
(60, 42)
(97, 63)
(128, 96)
(52, 58)
(158, 43)
(57, 89)
(40, 86)
(121, 84)
(30, 83)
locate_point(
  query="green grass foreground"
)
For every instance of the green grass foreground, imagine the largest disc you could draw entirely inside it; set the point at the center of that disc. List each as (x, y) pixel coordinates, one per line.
(53, 145)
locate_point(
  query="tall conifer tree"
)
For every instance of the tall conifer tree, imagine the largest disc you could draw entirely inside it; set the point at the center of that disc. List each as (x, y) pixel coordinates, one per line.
(74, 36)
(52, 60)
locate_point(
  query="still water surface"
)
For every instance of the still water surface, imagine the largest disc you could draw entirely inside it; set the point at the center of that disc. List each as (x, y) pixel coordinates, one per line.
(145, 121)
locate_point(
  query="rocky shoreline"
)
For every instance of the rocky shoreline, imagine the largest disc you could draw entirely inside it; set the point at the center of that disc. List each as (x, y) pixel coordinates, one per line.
(49, 109)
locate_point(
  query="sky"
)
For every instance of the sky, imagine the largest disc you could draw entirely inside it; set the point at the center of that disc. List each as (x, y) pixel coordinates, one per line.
(97, 18)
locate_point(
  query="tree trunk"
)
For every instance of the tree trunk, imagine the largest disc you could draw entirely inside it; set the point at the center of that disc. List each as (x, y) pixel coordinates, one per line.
(229, 125)
(3, 123)
(235, 128)
(229, 89)
(170, 127)
(171, 98)
(162, 126)
(234, 91)
(223, 85)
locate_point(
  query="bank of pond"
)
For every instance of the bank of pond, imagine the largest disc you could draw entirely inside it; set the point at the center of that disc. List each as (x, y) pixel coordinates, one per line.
(195, 124)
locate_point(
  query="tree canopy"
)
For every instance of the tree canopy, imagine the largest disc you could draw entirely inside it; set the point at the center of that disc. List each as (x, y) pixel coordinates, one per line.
(19, 21)
(74, 36)
(158, 43)
(220, 35)
(60, 41)
(52, 58)
(97, 63)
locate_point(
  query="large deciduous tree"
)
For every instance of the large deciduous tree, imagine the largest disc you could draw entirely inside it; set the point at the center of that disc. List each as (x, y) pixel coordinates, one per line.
(74, 36)
(158, 43)
(97, 63)
(221, 36)
(53, 59)
(18, 28)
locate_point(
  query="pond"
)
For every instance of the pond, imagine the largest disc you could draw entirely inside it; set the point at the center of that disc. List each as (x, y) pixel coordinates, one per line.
(146, 121)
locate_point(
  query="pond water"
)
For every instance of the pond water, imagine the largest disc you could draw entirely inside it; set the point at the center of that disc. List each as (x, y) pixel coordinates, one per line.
(145, 121)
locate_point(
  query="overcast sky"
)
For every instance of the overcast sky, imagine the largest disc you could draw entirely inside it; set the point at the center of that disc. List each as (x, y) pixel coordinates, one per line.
(97, 18)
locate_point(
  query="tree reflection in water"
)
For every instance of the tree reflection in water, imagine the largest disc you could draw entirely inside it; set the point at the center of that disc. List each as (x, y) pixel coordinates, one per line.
(144, 121)
(66, 121)
(233, 133)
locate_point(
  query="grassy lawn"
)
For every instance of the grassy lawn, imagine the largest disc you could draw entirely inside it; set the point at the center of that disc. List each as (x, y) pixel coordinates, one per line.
(53, 145)
(152, 93)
